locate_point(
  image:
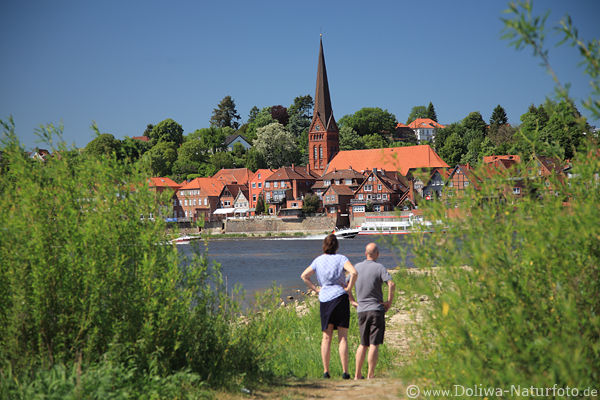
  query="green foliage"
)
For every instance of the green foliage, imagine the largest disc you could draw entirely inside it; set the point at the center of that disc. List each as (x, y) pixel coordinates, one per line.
(82, 278)
(431, 112)
(498, 117)
(515, 285)
(350, 140)
(263, 118)
(252, 114)
(374, 141)
(104, 144)
(225, 115)
(222, 159)
(160, 158)
(276, 145)
(311, 203)
(190, 155)
(370, 120)
(133, 149)
(167, 131)
(417, 112)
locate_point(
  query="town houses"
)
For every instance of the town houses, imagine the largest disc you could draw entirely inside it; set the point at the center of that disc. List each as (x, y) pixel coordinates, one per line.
(348, 184)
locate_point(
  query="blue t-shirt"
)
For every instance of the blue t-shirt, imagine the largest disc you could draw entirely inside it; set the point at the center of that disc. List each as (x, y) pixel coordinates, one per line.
(330, 274)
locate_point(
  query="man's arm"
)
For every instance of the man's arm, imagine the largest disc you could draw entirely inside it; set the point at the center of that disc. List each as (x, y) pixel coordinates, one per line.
(391, 289)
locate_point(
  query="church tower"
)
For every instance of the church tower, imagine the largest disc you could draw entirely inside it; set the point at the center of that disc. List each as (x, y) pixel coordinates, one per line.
(323, 134)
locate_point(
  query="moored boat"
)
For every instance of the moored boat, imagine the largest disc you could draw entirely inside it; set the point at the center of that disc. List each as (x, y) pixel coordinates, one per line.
(185, 239)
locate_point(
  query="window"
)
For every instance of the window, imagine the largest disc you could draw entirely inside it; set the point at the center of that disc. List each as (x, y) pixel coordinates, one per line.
(253, 185)
(275, 184)
(206, 201)
(227, 203)
(258, 176)
(332, 210)
(358, 209)
(516, 190)
(377, 208)
(294, 205)
(185, 202)
(379, 187)
(360, 196)
(466, 183)
(369, 197)
(384, 196)
(379, 196)
(267, 184)
(327, 182)
(348, 182)
(320, 152)
(259, 185)
(370, 178)
(253, 197)
(315, 152)
(368, 188)
(194, 201)
(337, 182)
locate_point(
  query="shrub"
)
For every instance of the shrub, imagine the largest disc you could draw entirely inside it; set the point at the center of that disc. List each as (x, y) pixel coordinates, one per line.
(515, 293)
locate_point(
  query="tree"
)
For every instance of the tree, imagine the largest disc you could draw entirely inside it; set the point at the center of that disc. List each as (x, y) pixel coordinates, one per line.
(276, 145)
(212, 139)
(431, 112)
(167, 131)
(370, 120)
(565, 128)
(263, 118)
(221, 160)
(311, 203)
(261, 205)
(280, 114)
(104, 144)
(453, 149)
(190, 156)
(254, 160)
(148, 129)
(133, 149)
(160, 158)
(498, 117)
(252, 114)
(225, 114)
(349, 139)
(417, 112)
(374, 141)
(300, 115)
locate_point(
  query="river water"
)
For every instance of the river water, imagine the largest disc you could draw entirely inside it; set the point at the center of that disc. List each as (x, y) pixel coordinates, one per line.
(256, 264)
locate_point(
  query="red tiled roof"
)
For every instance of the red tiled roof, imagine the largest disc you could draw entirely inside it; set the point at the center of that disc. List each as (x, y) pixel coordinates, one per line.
(163, 182)
(290, 173)
(240, 176)
(210, 186)
(424, 123)
(265, 173)
(401, 125)
(142, 138)
(400, 159)
(341, 190)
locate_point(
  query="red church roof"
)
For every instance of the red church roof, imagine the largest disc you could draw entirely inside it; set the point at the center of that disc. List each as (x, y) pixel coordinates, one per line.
(400, 159)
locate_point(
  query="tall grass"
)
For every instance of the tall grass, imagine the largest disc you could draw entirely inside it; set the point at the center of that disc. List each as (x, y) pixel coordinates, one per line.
(515, 292)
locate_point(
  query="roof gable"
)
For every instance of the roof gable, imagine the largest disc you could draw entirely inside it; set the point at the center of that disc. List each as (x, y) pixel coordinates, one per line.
(209, 186)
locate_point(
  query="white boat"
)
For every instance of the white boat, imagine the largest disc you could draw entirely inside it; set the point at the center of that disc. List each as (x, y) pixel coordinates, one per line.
(346, 233)
(402, 226)
(185, 239)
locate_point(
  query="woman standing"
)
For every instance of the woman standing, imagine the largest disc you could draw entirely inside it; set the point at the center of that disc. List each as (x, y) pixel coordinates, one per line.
(333, 296)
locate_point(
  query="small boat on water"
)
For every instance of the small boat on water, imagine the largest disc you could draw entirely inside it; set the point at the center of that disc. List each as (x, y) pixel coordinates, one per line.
(395, 226)
(185, 239)
(346, 233)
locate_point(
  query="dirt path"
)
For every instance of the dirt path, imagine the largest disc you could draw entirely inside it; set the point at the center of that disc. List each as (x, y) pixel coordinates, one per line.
(400, 321)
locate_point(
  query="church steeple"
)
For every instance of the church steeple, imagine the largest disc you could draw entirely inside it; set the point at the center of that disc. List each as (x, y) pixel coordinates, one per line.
(323, 135)
(322, 99)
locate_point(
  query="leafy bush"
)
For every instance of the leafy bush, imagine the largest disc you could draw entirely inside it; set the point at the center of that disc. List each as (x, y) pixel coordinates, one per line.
(83, 277)
(515, 291)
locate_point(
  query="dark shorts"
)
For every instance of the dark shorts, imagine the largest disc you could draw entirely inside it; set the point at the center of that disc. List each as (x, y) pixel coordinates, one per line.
(371, 325)
(336, 312)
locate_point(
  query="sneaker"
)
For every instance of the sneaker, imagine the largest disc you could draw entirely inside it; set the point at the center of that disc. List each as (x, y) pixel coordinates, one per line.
(345, 375)
(326, 375)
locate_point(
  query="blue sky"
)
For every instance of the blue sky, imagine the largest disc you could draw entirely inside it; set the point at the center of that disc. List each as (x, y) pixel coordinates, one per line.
(125, 64)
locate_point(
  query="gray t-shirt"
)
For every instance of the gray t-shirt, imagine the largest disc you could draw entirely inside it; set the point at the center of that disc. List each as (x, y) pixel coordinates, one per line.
(369, 294)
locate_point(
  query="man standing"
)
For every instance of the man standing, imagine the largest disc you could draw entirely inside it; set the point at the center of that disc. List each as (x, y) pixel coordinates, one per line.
(371, 308)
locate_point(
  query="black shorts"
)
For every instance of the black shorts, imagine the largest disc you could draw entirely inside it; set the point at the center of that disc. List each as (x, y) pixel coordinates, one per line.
(371, 325)
(336, 312)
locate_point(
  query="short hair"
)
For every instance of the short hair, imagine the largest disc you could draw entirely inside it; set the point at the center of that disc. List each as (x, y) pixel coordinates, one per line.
(330, 244)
